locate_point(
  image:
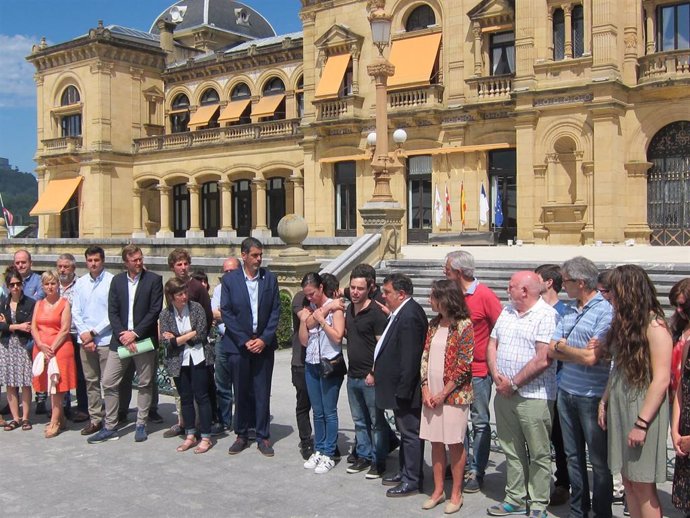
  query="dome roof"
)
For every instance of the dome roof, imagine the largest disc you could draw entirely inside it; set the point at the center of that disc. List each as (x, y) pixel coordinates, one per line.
(234, 17)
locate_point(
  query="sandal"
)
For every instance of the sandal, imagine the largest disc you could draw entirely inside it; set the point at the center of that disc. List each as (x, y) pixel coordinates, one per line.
(187, 444)
(12, 425)
(204, 446)
(26, 425)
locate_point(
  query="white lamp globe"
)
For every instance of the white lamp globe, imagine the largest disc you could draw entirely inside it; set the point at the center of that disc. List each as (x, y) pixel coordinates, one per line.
(371, 139)
(399, 136)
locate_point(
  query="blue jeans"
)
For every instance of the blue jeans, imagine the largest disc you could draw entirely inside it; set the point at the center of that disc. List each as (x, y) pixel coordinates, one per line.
(578, 415)
(323, 394)
(480, 414)
(370, 430)
(223, 377)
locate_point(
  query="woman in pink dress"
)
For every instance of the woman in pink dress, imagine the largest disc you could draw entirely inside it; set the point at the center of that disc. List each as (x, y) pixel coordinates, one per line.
(50, 329)
(446, 375)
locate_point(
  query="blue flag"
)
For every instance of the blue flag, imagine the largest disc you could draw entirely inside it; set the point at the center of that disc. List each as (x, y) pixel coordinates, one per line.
(498, 209)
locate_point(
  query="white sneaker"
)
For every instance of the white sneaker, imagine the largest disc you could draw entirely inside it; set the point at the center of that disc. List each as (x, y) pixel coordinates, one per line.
(312, 461)
(325, 465)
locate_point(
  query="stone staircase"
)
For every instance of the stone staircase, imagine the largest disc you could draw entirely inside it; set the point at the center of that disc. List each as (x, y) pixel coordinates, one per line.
(496, 274)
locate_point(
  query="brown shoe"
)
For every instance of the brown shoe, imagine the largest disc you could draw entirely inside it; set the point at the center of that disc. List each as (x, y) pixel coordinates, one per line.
(52, 430)
(79, 416)
(90, 428)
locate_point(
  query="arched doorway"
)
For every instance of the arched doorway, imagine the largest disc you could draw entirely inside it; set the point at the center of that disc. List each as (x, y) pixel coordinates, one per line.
(668, 185)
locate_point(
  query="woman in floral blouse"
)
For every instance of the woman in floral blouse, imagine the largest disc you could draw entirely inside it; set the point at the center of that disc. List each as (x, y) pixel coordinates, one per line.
(446, 375)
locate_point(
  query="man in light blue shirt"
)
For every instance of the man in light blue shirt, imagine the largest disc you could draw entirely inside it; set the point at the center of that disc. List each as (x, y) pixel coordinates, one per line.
(94, 334)
(582, 381)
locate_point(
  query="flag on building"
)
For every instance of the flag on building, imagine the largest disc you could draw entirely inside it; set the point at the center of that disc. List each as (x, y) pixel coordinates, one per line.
(463, 203)
(438, 208)
(449, 215)
(9, 218)
(498, 209)
(483, 207)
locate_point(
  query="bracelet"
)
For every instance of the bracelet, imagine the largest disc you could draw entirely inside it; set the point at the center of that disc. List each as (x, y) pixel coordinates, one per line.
(643, 420)
(640, 427)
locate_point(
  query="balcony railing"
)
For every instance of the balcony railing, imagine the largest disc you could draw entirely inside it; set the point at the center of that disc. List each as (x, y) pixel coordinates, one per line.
(491, 88)
(424, 97)
(337, 109)
(665, 65)
(62, 145)
(244, 132)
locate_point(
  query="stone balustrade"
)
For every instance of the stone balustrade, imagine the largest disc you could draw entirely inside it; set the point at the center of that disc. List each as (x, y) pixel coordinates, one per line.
(62, 145)
(674, 64)
(491, 88)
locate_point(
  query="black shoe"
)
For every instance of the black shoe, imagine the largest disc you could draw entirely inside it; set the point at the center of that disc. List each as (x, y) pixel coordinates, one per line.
(306, 448)
(472, 484)
(392, 480)
(41, 408)
(336, 454)
(375, 471)
(217, 429)
(155, 417)
(358, 465)
(239, 445)
(352, 458)
(264, 446)
(402, 489)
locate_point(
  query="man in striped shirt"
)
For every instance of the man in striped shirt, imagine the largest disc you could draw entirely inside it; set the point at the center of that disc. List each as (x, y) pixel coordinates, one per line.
(582, 381)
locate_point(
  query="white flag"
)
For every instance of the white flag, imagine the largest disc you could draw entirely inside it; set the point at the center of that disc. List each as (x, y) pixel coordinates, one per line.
(438, 208)
(483, 207)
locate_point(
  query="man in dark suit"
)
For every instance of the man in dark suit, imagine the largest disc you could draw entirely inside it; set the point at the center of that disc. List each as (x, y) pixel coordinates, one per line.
(397, 359)
(134, 304)
(250, 309)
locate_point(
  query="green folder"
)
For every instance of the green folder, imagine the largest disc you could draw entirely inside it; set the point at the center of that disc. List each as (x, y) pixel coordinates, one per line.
(143, 346)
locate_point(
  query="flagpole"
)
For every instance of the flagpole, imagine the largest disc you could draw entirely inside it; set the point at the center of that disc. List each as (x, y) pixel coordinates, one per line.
(2, 204)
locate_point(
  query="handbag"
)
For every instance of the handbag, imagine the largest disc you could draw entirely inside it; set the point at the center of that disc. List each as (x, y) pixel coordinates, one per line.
(333, 367)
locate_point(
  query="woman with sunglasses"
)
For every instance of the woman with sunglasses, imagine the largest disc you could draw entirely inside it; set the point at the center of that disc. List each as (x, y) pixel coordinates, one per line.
(15, 362)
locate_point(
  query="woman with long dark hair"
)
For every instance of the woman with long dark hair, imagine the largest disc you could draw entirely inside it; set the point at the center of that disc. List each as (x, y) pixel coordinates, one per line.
(679, 297)
(446, 374)
(637, 413)
(321, 332)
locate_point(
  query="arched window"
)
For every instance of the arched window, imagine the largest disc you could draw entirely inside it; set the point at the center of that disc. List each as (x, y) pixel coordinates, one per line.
(241, 91)
(70, 96)
(210, 96)
(299, 97)
(558, 35)
(70, 124)
(420, 18)
(179, 116)
(274, 86)
(210, 209)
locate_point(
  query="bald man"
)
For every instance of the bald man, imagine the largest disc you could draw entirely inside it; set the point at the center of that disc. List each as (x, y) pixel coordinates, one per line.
(223, 372)
(525, 378)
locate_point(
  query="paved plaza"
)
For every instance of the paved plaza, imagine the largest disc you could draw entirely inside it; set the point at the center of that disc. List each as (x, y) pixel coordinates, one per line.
(65, 476)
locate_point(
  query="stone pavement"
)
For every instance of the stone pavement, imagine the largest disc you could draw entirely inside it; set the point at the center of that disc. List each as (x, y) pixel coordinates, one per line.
(65, 476)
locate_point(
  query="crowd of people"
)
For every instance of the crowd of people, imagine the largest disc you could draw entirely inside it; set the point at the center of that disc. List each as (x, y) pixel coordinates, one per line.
(599, 380)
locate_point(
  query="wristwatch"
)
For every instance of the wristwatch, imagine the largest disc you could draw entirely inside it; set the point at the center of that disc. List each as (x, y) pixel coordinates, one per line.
(513, 386)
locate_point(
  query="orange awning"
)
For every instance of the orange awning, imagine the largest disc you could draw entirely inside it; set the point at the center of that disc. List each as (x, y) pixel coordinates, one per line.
(267, 106)
(234, 110)
(202, 116)
(332, 76)
(458, 149)
(56, 196)
(414, 60)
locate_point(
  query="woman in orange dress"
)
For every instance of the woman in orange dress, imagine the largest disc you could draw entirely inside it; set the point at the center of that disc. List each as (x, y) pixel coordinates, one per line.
(50, 329)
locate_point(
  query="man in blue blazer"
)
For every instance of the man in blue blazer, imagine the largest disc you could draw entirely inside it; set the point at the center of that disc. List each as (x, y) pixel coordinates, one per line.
(250, 309)
(135, 300)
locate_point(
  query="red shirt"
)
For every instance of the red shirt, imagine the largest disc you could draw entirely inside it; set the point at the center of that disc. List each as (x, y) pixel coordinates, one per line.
(484, 309)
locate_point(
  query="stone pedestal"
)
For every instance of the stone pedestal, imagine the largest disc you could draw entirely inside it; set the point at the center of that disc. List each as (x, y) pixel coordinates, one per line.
(3, 229)
(294, 262)
(384, 217)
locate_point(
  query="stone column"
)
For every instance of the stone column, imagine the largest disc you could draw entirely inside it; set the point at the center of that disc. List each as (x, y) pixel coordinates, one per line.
(260, 230)
(165, 230)
(137, 228)
(226, 229)
(588, 231)
(568, 17)
(636, 226)
(552, 173)
(541, 234)
(477, 35)
(297, 182)
(194, 212)
(650, 22)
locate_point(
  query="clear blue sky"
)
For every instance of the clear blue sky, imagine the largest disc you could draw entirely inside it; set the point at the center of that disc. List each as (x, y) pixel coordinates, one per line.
(24, 22)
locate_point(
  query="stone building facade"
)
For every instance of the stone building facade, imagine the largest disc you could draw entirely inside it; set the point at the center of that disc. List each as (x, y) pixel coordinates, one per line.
(562, 122)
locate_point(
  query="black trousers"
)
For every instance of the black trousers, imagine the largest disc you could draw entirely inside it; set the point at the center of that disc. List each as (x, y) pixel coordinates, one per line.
(250, 370)
(192, 385)
(411, 454)
(303, 405)
(562, 478)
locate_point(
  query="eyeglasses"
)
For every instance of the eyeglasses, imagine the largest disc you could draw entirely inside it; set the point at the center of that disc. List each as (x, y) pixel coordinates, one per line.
(603, 290)
(14, 284)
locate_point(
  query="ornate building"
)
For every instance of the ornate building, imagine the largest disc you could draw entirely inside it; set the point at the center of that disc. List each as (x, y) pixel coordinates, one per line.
(559, 123)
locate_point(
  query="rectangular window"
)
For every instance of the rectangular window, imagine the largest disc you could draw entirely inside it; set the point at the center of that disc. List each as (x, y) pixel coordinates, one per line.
(578, 31)
(71, 125)
(558, 35)
(674, 27)
(502, 53)
(345, 199)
